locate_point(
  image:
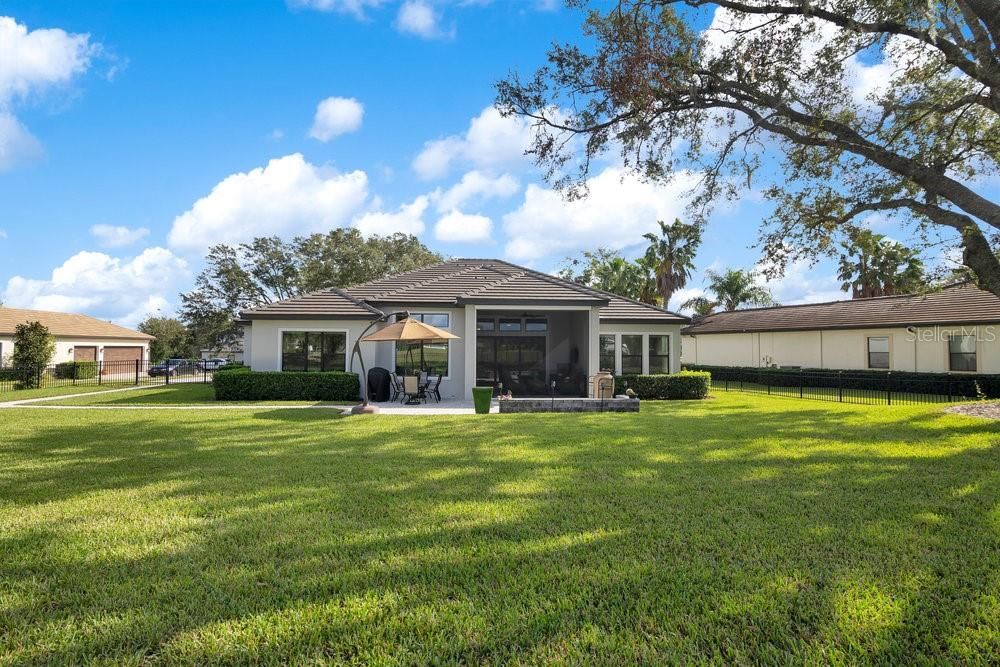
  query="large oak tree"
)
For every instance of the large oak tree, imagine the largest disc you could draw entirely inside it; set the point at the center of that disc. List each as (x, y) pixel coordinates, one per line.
(779, 79)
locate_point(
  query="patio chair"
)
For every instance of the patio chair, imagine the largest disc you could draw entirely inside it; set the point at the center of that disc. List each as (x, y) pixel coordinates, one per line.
(395, 387)
(434, 389)
(411, 390)
(422, 381)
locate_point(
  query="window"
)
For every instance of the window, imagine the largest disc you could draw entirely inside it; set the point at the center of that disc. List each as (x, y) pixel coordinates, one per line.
(431, 358)
(510, 325)
(313, 351)
(536, 325)
(486, 324)
(878, 352)
(607, 342)
(659, 354)
(631, 355)
(962, 353)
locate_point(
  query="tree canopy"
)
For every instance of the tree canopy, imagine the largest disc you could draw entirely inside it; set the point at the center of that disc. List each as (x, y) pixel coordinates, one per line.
(607, 270)
(268, 269)
(873, 265)
(172, 339)
(671, 255)
(783, 83)
(731, 289)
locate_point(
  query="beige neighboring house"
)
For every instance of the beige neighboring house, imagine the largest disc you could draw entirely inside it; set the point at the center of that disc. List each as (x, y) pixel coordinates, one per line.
(951, 330)
(78, 337)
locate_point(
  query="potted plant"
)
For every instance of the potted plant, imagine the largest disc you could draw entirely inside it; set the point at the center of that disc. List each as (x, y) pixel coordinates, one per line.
(481, 397)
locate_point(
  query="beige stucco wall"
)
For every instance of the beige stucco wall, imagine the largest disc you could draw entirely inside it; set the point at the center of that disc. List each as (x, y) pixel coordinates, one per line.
(64, 347)
(923, 349)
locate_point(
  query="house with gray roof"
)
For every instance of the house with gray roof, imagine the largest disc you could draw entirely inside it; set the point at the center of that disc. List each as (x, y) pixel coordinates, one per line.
(519, 329)
(954, 329)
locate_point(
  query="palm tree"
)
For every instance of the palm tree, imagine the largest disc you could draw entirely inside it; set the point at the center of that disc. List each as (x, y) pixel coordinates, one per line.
(732, 289)
(671, 256)
(607, 270)
(873, 265)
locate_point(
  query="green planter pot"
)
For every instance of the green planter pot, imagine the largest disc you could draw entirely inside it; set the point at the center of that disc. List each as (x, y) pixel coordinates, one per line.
(481, 397)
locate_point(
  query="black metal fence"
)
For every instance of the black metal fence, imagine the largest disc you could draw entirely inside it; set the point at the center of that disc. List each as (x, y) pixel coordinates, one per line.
(845, 387)
(109, 373)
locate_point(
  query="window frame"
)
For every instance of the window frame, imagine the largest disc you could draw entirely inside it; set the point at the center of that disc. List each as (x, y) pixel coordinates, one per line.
(651, 356)
(419, 316)
(614, 352)
(887, 353)
(641, 353)
(312, 330)
(974, 353)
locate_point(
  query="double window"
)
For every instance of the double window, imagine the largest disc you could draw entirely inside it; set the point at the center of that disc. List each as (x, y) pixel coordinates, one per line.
(962, 353)
(431, 358)
(313, 351)
(659, 354)
(878, 352)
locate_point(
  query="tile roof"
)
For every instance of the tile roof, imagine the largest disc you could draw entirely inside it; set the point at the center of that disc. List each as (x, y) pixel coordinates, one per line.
(66, 325)
(957, 304)
(458, 282)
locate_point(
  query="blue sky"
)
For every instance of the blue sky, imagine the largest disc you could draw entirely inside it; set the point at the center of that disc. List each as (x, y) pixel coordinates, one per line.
(139, 132)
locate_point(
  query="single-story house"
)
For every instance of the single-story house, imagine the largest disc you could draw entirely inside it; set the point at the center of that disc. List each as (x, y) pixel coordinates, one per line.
(528, 330)
(78, 337)
(950, 330)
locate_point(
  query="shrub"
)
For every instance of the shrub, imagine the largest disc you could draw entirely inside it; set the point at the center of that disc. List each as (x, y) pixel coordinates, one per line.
(81, 370)
(966, 385)
(33, 349)
(246, 385)
(233, 367)
(686, 385)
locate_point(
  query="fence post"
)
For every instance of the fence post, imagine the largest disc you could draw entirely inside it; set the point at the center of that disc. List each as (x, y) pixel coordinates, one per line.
(100, 372)
(802, 381)
(949, 390)
(204, 372)
(888, 388)
(768, 379)
(166, 371)
(137, 371)
(74, 372)
(840, 386)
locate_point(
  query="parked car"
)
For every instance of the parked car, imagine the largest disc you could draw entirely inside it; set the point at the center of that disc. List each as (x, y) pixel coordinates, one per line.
(175, 367)
(212, 364)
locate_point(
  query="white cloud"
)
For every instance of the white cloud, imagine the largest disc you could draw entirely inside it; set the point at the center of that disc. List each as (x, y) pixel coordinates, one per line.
(416, 17)
(456, 226)
(803, 284)
(354, 7)
(336, 116)
(475, 186)
(490, 141)
(408, 219)
(98, 284)
(682, 295)
(618, 210)
(3, 234)
(117, 236)
(31, 62)
(287, 196)
(17, 144)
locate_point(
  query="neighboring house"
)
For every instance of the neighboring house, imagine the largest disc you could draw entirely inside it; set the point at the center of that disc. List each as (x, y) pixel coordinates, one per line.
(517, 326)
(78, 337)
(230, 353)
(954, 329)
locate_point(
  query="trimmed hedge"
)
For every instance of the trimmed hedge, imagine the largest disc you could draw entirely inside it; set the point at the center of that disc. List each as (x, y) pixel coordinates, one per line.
(245, 385)
(965, 385)
(84, 370)
(686, 385)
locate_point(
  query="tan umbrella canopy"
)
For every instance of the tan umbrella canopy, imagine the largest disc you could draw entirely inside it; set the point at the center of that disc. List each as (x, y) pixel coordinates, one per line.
(409, 330)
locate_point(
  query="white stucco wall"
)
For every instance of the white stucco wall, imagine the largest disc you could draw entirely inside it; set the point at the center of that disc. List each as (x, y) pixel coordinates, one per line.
(924, 349)
(64, 347)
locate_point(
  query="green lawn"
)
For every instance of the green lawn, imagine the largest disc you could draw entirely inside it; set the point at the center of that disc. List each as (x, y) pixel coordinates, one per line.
(56, 390)
(176, 394)
(741, 529)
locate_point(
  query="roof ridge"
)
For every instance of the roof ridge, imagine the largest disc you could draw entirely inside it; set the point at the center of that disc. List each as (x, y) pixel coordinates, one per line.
(404, 273)
(62, 312)
(555, 280)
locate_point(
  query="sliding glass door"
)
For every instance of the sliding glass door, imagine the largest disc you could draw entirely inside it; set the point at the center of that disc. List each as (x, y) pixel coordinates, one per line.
(515, 362)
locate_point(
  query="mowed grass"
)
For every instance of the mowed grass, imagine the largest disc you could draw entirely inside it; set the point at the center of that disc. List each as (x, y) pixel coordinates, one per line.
(57, 390)
(737, 530)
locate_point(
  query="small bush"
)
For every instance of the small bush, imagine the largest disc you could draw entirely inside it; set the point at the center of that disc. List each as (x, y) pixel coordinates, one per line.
(686, 385)
(232, 368)
(81, 370)
(246, 385)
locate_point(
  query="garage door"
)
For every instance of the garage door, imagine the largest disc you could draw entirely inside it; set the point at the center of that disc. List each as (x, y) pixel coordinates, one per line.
(84, 353)
(122, 354)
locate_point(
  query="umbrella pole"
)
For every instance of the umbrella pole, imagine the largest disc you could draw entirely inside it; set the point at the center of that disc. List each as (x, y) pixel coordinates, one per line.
(364, 408)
